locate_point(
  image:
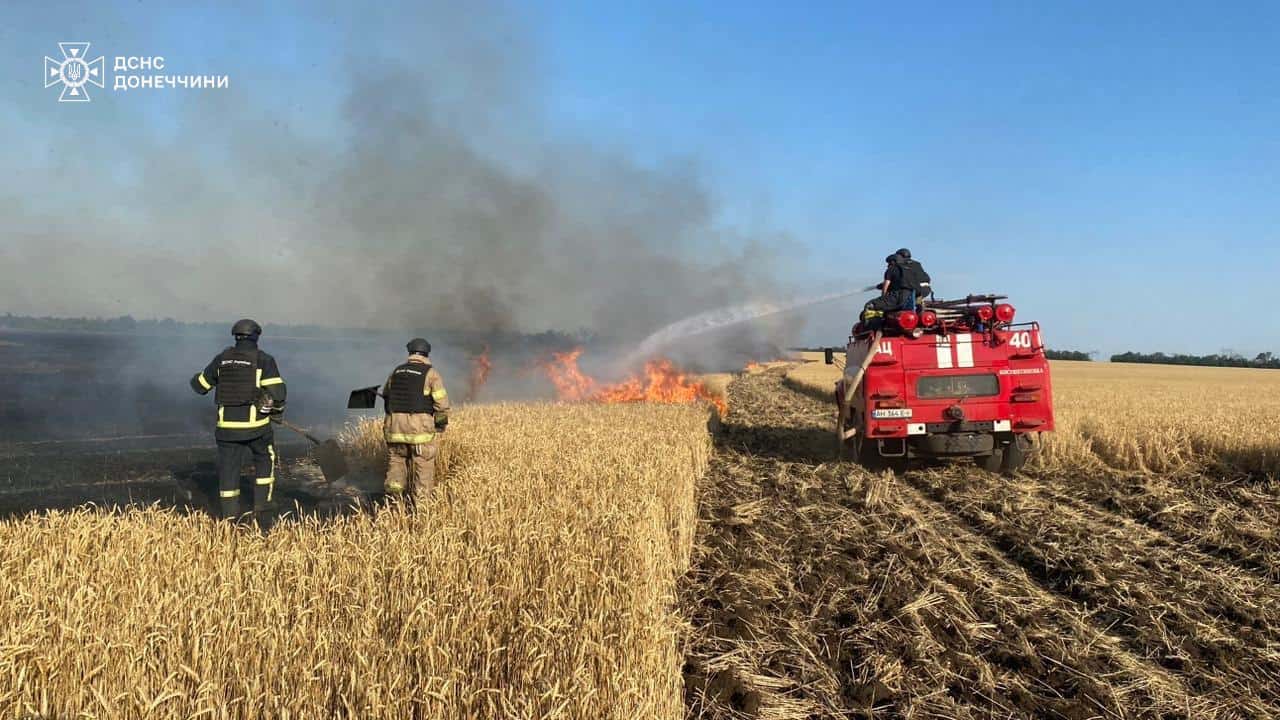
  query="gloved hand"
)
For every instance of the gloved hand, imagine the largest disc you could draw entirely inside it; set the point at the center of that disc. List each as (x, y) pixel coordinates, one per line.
(442, 425)
(267, 406)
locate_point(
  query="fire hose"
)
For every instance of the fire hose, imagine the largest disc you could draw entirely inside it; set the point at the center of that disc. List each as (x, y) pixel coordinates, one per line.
(872, 349)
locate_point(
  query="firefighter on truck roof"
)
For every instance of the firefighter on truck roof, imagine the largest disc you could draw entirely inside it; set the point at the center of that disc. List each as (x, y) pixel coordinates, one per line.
(905, 286)
(417, 408)
(249, 391)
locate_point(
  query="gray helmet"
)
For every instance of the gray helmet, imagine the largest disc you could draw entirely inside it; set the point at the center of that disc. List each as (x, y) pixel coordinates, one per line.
(246, 328)
(904, 253)
(418, 346)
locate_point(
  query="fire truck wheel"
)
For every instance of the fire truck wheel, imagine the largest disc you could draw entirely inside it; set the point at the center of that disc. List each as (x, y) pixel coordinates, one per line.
(1015, 454)
(992, 463)
(867, 453)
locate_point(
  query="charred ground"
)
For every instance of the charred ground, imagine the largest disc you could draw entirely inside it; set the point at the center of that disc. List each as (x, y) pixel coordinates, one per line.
(822, 590)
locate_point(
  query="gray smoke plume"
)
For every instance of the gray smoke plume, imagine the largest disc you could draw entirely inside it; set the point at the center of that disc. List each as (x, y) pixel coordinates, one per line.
(419, 188)
(382, 166)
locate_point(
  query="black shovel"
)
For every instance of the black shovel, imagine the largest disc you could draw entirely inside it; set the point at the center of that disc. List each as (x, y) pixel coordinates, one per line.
(328, 455)
(364, 398)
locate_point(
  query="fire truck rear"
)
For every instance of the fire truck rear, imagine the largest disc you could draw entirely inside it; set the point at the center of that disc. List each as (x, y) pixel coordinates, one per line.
(957, 379)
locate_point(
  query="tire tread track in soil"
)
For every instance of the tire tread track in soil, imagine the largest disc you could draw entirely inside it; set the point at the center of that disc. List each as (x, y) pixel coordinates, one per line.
(822, 590)
(1205, 622)
(1237, 526)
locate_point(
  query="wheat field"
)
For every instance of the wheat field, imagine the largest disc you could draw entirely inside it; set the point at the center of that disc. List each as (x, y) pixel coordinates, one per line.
(538, 583)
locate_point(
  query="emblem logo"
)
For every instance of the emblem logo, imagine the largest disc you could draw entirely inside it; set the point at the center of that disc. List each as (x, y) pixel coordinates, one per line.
(75, 71)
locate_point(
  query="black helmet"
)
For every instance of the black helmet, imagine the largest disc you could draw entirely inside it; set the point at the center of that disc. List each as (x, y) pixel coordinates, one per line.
(904, 253)
(246, 328)
(418, 346)
(891, 259)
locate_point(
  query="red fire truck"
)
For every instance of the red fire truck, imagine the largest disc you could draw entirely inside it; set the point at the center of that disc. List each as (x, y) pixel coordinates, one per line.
(955, 379)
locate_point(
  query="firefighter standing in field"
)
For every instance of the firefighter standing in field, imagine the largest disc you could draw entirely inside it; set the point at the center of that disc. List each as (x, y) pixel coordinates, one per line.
(249, 391)
(417, 408)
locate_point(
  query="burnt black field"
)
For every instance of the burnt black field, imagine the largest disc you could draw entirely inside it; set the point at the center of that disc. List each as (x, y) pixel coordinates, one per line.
(110, 418)
(57, 386)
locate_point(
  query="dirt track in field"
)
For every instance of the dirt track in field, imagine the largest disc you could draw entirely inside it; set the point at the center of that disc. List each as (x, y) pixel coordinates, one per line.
(820, 590)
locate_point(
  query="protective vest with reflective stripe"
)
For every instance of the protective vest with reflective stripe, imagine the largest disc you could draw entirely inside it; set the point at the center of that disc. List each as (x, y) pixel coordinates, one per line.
(914, 278)
(407, 391)
(237, 378)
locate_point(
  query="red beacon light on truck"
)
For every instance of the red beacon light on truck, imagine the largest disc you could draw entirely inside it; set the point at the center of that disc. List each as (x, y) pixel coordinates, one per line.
(1005, 312)
(928, 318)
(984, 313)
(908, 320)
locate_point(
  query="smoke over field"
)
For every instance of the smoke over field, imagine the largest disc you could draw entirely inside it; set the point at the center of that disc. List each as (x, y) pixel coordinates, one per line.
(390, 168)
(405, 177)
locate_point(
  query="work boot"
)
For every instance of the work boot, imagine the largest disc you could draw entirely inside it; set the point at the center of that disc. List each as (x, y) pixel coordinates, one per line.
(264, 520)
(230, 508)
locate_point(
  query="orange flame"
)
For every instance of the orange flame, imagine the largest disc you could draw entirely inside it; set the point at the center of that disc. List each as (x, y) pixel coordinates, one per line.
(571, 383)
(660, 382)
(480, 367)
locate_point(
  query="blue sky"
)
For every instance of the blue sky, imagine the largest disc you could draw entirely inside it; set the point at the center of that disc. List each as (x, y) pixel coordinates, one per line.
(1114, 167)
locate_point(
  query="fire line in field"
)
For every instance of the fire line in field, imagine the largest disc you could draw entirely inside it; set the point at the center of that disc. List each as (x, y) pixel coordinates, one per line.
(660, 382)
(480, 367)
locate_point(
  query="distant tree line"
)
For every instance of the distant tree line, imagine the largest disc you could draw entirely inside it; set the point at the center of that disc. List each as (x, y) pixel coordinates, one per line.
(122, 324)
(127, 324)
(1067, 355)
(1263, 360)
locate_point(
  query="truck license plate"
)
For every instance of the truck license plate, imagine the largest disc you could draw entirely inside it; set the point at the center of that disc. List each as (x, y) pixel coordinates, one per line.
(884, 413)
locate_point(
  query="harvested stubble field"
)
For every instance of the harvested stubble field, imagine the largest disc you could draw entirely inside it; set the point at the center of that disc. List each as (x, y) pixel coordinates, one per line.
(569, 570)
(539, 583)
(1128, 574)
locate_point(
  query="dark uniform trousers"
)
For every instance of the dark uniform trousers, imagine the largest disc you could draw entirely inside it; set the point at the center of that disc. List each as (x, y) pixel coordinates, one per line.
(891, 301)
(233, 452)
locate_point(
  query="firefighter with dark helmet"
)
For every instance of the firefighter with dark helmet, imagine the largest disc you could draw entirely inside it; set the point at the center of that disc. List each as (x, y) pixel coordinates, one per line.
(905, 286)
(914, 276)
(248, 391)
(417, 408)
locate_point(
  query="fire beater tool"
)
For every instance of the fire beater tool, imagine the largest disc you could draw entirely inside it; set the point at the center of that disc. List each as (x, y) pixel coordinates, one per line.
(328, 454)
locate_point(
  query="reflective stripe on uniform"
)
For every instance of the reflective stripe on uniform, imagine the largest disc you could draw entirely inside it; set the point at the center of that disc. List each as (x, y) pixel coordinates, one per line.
(394, 488)
(270, 480)
(271, 381)
(439, 394)
(203, 383)
(403, 439)
(233, 425)
(252, 422)
(224, 494)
